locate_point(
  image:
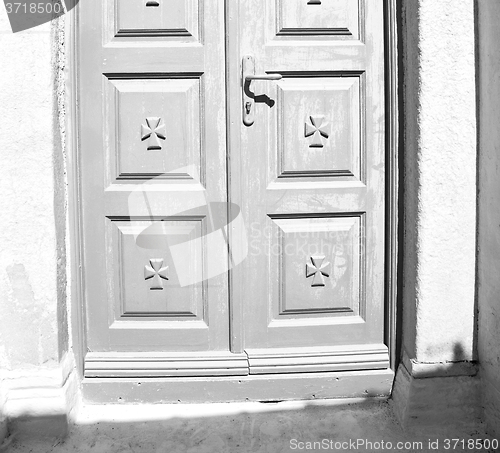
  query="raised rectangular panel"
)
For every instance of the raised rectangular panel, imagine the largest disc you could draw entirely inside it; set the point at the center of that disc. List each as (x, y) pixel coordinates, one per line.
(320, 123)
(153, 282)
(318, 17)
(319, 266)
(157, 18)
(155, 127)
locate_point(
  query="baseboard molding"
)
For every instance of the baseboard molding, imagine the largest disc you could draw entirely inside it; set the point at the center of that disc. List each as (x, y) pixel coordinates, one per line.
(423, 370)
(39, 402)
(253, 362)
(151, 365)
(436, 400)
(273, 361)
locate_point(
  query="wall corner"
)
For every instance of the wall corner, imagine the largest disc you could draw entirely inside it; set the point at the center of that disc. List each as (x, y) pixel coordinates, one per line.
(40, 402)
(434, 395)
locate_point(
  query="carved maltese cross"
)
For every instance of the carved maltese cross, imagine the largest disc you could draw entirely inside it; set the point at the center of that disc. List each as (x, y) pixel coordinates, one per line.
(156, 272)
(153, 131)
(319, 269)
(318, 130)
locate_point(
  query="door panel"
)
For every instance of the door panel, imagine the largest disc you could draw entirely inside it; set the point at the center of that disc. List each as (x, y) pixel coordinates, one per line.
(155, 18)
(153, 155)
(313, 187)
(333, 141)
(317, 17)
(169, 113)
(330, 249)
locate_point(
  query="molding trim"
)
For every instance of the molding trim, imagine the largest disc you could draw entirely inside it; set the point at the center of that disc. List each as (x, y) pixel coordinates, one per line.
(253, 361)
(75, 290)
(392, 170)
(424, 370)
(40, 401)
(262, 361)
(153, 365)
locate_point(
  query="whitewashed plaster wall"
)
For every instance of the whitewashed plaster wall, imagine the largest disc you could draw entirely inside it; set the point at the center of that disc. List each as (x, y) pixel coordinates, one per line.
(33, 312)
(489, 209)
(440, 180)
(439, 203)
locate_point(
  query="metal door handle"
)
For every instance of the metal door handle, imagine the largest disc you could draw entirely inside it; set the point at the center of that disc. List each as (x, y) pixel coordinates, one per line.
(248, 74)
(264, 77)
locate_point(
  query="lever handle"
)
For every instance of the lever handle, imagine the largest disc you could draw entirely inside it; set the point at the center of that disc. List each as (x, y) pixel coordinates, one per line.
(248, 74)
(264, 77)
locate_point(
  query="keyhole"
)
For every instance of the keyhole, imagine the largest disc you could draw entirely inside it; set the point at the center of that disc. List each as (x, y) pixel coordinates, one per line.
(248, 107)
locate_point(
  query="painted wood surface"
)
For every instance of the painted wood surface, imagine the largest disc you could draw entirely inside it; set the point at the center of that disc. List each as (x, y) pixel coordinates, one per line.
(161, 97)
(310, 177)
(152, 152)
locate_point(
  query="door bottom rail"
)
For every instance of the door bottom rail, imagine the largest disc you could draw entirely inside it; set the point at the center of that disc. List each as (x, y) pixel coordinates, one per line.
(225, 363)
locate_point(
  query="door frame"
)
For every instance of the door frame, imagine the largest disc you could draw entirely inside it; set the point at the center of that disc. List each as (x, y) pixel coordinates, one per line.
(239, 388)
(394, 175)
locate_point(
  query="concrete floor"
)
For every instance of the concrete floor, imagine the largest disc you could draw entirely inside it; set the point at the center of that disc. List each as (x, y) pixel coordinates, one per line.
(244, 427)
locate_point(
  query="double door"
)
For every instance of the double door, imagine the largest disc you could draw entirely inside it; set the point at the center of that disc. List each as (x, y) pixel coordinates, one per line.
(232, 159)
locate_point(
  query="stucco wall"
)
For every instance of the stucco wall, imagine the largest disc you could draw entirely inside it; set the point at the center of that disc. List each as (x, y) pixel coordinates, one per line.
(489, 208)
(33, 321)
(440, 180)
(438, 88)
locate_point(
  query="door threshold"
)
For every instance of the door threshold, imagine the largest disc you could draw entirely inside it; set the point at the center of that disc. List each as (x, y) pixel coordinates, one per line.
(224, 389)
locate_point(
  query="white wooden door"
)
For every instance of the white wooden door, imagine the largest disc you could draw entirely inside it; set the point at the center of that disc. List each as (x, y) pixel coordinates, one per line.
(153, 153)
(175, 148)
(311, 184)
